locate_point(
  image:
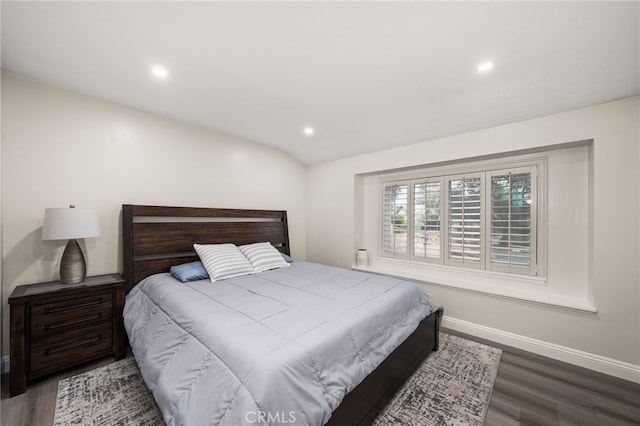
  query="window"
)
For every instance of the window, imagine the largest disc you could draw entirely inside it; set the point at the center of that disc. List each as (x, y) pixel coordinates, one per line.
(395, 224)
(512, 221)
(483, 220)
(426, 220)
(464, 214)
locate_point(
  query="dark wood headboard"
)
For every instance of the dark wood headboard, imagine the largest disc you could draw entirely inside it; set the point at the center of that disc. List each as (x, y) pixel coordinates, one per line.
(158, 237)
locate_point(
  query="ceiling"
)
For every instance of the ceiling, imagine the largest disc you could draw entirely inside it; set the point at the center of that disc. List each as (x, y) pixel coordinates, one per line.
(366, 75)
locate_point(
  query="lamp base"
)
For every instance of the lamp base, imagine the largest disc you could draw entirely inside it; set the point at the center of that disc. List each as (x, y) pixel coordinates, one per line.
(72, 266)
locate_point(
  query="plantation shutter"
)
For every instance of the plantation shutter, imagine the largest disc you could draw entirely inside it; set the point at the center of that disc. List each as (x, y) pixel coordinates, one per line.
(464, 221)
(512, 244)
(395, 219)
(426, 220)
(483, 219)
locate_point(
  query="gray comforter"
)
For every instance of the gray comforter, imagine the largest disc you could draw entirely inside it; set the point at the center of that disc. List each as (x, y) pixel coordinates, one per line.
(281, 347)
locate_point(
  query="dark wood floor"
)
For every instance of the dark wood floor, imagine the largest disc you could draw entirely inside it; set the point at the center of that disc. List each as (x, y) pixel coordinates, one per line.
(534, 390)
(529, 390)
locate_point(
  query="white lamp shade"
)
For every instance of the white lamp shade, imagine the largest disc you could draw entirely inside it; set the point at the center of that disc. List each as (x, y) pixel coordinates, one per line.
(69, 223)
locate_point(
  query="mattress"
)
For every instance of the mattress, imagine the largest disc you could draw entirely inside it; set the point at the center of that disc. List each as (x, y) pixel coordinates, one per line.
(280, 347)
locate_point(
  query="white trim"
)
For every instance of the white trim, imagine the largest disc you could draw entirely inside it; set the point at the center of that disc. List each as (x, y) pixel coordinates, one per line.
(610, 366)
(483, 282)
(5, 366)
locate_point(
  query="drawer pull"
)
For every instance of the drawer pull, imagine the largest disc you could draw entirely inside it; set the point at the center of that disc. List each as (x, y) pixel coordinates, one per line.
(68, 324)
(72, 346)
(70, 307)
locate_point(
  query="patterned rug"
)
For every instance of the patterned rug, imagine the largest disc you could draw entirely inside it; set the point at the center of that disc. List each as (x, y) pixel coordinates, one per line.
(451, 387)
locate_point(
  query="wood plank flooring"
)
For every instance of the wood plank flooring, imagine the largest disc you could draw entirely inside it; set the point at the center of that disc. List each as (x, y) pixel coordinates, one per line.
(529, 390)
(534, 390)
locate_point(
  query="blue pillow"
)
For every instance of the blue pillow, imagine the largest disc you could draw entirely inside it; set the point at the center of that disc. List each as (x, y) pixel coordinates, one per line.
(286, 257)
(186, 272)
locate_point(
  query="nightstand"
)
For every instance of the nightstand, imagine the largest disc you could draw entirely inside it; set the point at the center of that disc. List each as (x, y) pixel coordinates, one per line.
(55, 326)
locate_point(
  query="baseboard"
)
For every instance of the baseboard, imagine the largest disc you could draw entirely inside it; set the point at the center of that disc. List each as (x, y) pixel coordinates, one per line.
(601, 364)
(5, 367)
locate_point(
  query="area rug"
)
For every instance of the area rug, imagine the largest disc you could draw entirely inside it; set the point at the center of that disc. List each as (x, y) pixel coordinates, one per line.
(451, 387)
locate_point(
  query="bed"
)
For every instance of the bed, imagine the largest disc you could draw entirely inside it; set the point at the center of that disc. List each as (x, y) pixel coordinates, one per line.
(156, 238)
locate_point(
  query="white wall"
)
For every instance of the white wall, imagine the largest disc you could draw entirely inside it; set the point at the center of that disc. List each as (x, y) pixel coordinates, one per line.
(611, 336)
(60, 147)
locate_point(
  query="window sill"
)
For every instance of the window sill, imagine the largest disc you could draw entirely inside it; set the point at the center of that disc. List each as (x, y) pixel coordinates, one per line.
(479, 282)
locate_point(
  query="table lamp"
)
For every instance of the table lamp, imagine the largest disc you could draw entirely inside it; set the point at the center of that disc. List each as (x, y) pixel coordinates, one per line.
(69, 224)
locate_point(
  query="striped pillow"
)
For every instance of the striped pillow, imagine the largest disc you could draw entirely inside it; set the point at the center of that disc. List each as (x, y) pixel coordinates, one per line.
(223, 261)
(263, 256)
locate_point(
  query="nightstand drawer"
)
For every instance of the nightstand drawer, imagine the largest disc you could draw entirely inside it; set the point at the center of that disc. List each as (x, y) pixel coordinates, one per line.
(57, 317)
(66, 349)
(54, 326)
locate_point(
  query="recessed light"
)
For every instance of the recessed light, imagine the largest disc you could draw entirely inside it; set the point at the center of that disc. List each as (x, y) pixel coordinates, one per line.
(485, 67)
(160, 72)
(308, 131)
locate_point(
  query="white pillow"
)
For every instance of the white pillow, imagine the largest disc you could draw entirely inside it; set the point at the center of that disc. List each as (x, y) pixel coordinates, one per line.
(263, 256)
(223, 261)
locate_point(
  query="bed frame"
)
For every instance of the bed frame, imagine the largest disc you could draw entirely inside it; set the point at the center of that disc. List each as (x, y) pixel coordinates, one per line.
(157, 237)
